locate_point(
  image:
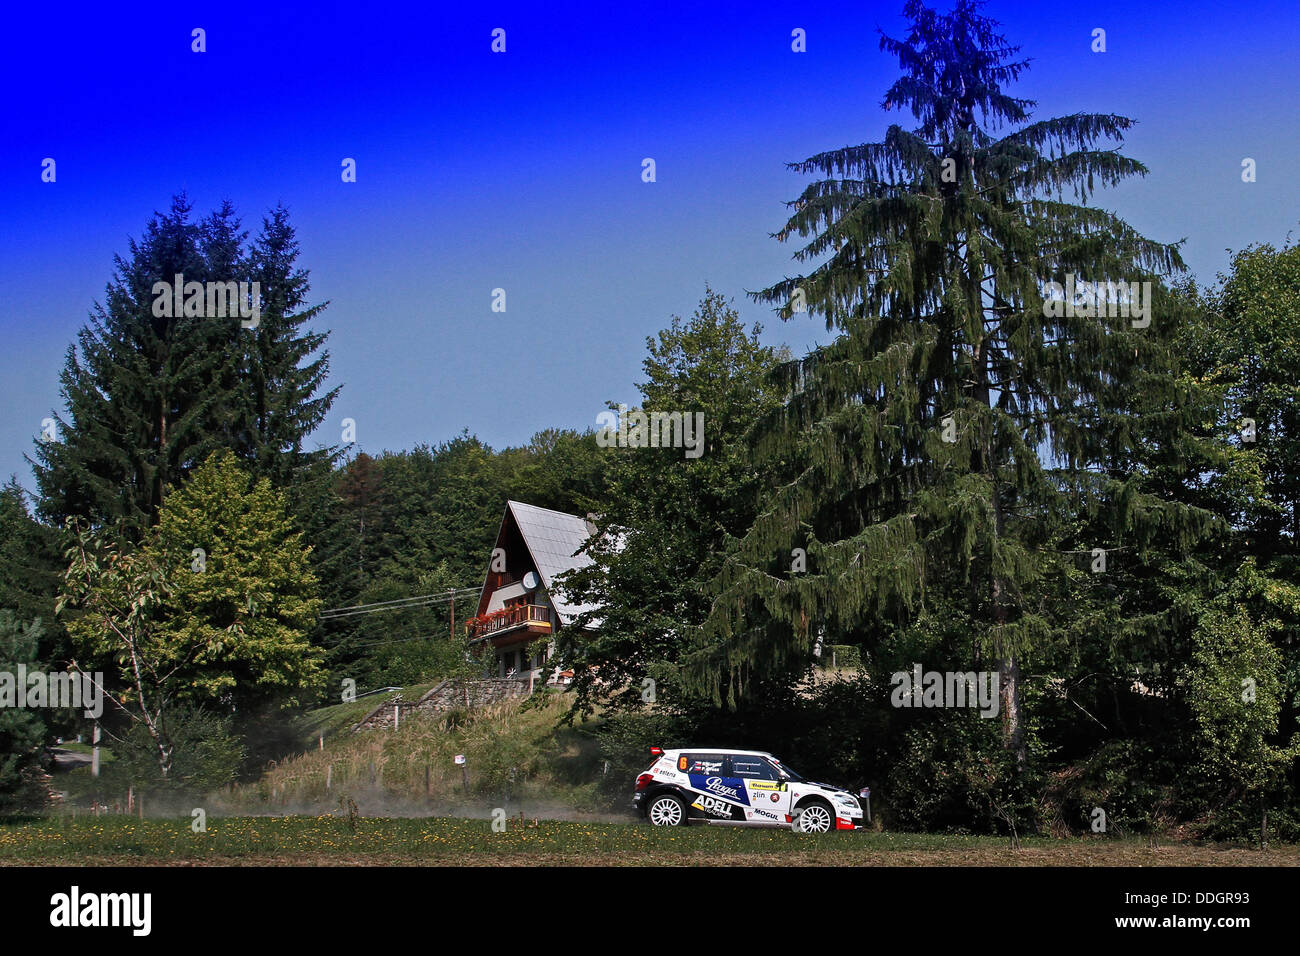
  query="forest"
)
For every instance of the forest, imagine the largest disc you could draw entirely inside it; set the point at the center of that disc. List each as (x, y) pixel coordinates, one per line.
(999, 465)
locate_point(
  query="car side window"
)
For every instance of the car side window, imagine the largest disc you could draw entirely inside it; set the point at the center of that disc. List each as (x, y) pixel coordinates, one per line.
(701, 763)
(752, 768)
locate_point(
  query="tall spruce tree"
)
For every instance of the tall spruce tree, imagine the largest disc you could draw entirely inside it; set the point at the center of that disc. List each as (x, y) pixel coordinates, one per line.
(148, 397)
(964, 413)
(140, 409)
(284, 366)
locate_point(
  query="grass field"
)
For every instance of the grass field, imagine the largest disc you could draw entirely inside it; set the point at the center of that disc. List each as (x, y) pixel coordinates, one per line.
(334, 841)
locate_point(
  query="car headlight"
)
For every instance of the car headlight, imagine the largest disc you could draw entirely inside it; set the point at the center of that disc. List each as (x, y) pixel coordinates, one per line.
(847, 799)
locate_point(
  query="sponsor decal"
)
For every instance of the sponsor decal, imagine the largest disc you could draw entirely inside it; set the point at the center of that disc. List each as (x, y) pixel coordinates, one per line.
(766, 813)
(719, 808)
(715, 785)
(766, 785)
(718, 787)
(776, 797)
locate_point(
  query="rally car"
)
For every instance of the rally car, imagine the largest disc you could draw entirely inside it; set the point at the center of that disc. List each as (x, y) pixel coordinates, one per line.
(741, 787)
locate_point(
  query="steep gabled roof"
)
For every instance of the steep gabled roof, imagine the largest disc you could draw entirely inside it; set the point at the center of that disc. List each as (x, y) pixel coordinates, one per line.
(553, 539)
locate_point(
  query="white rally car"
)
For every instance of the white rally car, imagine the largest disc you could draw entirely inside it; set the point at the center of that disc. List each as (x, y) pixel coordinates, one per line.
(740, 787)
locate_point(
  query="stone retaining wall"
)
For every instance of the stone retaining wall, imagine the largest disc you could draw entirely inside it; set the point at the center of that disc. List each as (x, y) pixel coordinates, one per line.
(449, 695)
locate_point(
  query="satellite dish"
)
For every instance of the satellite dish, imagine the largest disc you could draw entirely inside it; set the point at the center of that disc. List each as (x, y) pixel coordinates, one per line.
(531, 581)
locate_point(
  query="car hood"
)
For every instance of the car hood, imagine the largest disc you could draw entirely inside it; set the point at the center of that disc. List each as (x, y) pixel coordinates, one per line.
(827, 786)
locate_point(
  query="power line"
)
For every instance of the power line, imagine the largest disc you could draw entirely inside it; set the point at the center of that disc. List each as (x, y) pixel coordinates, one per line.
(384, 605)
(414, 603)
(417, 597)
(400, 640)
(398, 604)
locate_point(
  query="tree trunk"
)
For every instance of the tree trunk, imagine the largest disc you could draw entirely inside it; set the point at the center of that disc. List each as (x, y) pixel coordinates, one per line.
(1013, 727)
(164, 759)
(1013, 733)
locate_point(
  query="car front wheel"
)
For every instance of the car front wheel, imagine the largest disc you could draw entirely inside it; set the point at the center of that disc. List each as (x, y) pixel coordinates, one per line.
(666, 810)
(815, 817)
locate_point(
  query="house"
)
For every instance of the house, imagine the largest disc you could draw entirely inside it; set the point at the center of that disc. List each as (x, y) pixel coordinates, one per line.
(519, 610)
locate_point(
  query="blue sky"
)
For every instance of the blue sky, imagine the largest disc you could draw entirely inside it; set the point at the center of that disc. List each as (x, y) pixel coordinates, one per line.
(523, 171)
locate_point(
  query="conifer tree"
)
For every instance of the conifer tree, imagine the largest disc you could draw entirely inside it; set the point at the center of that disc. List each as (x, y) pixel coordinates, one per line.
(965, 411)
(30, 569)
(284, 367)
(22, 730)
(138, 389)
(149, 396)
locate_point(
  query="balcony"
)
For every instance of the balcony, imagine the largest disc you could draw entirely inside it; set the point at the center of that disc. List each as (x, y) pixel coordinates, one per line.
(534, 617)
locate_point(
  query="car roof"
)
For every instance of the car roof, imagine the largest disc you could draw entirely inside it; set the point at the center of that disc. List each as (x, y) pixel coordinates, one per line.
(718, 750)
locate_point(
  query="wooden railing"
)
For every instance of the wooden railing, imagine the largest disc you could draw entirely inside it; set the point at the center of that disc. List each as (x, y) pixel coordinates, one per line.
(534, 615)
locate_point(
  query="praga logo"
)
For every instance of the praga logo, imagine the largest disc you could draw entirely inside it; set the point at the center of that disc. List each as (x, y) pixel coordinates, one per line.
(717, 786)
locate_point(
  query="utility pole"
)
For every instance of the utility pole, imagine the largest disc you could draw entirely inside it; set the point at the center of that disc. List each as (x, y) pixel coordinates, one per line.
(451, 595)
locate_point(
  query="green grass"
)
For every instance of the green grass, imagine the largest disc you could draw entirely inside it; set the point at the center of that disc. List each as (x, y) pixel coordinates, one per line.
(384, 841)
(339, 719)
(73, 747)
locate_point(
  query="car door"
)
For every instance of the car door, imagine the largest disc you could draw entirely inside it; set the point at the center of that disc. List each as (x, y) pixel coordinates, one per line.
(768, 795)
(713, 795)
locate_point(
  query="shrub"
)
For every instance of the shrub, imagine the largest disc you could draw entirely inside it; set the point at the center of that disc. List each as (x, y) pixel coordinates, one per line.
(206, 754)
(842, 655)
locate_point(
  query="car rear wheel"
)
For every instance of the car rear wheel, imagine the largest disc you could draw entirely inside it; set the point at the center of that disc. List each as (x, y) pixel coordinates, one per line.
(666, 810)
(815, 816)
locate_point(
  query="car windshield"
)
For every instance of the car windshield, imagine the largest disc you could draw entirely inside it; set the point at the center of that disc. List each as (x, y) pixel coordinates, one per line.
(785, 771)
